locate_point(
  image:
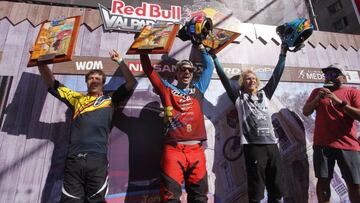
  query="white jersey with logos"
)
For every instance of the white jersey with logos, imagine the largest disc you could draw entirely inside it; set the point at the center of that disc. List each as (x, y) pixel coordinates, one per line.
(255, 119)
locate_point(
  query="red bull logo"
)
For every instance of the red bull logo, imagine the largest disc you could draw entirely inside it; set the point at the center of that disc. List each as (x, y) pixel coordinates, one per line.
(147, 10)
(128, 18)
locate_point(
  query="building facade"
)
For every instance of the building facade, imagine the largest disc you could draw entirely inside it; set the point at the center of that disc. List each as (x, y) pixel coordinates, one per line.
(337, 15)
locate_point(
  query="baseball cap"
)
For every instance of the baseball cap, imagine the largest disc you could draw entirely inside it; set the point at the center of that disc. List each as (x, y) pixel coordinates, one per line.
(334, 67)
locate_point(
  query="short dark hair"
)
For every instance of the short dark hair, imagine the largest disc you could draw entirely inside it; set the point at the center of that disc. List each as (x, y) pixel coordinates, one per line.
(100, 72)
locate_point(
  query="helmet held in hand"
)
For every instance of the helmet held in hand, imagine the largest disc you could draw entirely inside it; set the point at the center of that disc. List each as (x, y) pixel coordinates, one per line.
(196, 29)
(294, 33)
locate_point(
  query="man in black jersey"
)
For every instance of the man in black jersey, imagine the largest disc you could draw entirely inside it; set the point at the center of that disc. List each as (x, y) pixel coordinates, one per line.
(85, 173)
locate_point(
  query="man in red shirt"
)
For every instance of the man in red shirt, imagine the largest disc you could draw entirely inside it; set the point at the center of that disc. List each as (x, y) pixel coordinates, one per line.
(183, 157)
(335, 137)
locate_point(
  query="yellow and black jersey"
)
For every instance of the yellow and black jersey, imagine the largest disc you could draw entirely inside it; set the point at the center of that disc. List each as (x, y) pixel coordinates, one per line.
(91, 117)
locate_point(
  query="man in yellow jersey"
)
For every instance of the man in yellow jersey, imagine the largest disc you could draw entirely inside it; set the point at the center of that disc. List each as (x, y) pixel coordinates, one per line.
(85, 175)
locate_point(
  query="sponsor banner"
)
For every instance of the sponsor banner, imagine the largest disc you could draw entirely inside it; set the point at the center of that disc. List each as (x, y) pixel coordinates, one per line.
(291, 74)
(315, 75)
(80, 65)
(130, 18)
(166, 68)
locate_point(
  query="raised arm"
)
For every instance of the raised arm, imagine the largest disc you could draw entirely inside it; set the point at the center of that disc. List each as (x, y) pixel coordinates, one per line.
(231, 92)
(58, 90)
(46, 75)
(125, 90)
(208, 66)
(124, 69)
(153, 76)
(278, 71)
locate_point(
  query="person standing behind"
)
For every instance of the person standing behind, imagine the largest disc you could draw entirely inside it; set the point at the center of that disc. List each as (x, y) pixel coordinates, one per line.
(85, 173)
(335, 135)
(262, 156)
(183, 155)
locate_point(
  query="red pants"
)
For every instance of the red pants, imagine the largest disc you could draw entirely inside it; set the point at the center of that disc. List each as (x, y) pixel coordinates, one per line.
(179, 163)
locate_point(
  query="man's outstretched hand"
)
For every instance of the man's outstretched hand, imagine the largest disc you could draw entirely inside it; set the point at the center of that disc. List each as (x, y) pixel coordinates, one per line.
(115, 56)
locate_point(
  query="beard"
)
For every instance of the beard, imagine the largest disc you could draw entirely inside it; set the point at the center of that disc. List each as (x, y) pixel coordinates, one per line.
(332, 84)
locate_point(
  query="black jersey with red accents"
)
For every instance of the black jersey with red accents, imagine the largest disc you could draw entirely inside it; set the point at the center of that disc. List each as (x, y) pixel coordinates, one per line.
(92, 117)
(184, 119)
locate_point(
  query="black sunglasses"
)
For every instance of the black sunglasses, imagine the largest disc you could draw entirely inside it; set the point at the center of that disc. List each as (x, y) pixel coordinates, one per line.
(183, 69)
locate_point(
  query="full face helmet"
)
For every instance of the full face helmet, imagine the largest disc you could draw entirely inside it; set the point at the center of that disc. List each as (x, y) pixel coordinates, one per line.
(196, 29)
(294, 33)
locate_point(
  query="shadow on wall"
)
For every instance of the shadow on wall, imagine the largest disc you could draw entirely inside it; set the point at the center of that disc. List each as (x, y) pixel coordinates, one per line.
(145, 135)
(23, 118)
(290, 130)
(230, 182)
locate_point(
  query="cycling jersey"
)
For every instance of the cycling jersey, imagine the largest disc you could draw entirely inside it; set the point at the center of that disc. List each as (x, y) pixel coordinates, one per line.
(91, 117)
(182, 106)
(253, 109)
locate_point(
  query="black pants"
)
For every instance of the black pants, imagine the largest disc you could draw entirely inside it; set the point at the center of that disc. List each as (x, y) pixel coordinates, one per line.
(263, 168)
(348, 161)
(85, 178)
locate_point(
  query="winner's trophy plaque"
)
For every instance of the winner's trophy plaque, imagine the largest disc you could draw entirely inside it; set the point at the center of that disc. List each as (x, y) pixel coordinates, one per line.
(219, 39)
(155, 39)
(55, 42)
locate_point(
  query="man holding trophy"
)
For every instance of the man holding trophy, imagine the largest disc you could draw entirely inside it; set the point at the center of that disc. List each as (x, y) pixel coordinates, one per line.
(183, 157)
(85, 173)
